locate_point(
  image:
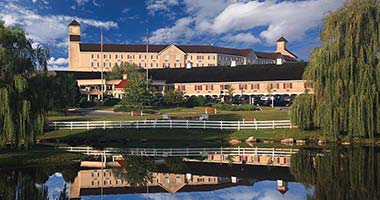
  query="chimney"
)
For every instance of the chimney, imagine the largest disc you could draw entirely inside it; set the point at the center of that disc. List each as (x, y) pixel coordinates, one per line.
(233, 63)
(125, 75)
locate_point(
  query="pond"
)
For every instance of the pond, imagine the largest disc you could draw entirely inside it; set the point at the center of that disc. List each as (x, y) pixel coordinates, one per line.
(336, 172)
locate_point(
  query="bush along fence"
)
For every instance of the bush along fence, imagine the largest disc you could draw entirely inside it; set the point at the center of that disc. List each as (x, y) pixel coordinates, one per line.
(170, 124)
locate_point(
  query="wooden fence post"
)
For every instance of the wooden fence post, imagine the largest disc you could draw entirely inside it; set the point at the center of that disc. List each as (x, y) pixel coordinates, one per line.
(187, 124)
(137, 125)
(71, 125)
(221, 125)
(120, 125)
(104, 125)
(238, 125)
(171, 126)
(204, 124)
(273, 124)
(55, 125)
(88, 125)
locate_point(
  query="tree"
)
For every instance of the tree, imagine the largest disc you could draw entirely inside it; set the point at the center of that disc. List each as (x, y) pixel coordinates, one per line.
(118, 70)
(139, 91)
(174, 98)
(346, 73)
(63, 92)
(22, 105)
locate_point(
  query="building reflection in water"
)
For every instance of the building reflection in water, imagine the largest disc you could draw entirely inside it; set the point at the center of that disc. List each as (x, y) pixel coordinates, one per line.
(201, 177)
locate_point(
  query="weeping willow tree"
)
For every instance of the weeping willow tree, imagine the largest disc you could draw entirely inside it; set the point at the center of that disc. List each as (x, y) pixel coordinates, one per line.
(22, 106)
(342, 173)
(346, 74)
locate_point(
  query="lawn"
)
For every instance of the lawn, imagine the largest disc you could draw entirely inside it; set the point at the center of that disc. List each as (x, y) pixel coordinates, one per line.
(168, 137)
(266, 114)
(39, 156)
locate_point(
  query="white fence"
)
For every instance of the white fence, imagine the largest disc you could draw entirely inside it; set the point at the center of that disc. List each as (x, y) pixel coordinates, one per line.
(171, 124)
(183, 152)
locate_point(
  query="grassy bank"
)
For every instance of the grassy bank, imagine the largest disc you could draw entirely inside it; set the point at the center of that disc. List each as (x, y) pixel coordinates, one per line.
(169, 137)
(266, 114)
(39, 156)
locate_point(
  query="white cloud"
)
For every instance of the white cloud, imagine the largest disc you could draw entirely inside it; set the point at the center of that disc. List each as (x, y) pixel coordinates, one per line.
(51, 29)
(227, 18)
(58, 63)
(181, 31)
(154, 6)
(81, 2)
(289, 18)
(245, 38)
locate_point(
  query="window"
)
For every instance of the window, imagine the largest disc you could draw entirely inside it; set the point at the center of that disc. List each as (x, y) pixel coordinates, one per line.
(288, 85)
(95, 182)
(107, 182)
(255, 86)
(166, 180)
(209, 87)
(197, 87)
(95, 174)
(224, 87)
(121, 56)
(200, 180)
(177, 58)
(130, 57)
(199, 57)
(178, 179)
(242, 86)
(115, 56)
(92, 55)
(119, 181)
(308, 85)
(166, 57)
(275, 86)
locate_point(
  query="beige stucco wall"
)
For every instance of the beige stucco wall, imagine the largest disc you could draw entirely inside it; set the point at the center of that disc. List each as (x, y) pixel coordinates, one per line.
(298, 87)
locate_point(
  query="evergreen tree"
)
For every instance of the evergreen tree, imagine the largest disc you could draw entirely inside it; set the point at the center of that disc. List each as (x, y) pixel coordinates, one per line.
(22, 105)
(346, 74)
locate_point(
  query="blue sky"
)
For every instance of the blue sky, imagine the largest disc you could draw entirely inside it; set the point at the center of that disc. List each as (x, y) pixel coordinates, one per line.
(231, 23)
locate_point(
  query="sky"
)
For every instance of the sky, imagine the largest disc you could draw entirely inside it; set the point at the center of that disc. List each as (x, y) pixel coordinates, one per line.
(228, 23)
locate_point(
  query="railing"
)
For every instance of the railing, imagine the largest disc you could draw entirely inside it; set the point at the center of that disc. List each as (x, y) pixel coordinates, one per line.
(171, 124)
(183, 152)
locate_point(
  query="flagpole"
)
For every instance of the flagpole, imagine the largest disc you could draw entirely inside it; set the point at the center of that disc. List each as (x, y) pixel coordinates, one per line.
(147, 62)
(102, 64)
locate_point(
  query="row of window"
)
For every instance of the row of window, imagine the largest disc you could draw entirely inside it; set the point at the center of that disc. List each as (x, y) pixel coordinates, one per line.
(166, 57)
(254, 86)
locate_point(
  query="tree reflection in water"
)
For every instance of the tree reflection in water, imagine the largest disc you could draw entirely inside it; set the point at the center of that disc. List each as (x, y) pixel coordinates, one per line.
(340, 173)
(136, 170)
(26, 184)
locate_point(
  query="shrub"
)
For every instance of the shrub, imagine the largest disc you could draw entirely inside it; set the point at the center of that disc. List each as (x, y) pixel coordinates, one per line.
(111, 101)
(194, 101)
(229, 107)
(83, 103)
(129, 108)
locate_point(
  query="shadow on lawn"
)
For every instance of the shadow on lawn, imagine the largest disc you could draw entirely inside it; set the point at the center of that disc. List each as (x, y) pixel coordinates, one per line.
(143, 138)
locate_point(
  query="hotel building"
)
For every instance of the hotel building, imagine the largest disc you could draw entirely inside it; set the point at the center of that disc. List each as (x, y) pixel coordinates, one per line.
(92, 57)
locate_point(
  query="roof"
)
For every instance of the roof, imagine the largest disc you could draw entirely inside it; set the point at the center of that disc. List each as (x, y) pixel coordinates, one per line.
(74, 23)
(282, 39)
(158, 48)
(81, 75)
(266, 55)
(122, 84)
(274, 56)
(263, 72)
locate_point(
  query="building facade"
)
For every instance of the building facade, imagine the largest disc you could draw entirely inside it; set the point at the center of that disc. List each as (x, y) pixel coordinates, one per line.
(264, 79)
(97, 57)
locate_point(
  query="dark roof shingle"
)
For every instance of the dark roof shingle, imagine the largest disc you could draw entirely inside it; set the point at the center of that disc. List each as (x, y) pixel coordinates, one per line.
(158, 48)
(264, 72)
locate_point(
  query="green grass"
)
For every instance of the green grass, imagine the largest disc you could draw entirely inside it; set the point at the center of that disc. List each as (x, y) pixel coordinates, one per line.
(266, 114)
(168, 137)
(37, 157)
